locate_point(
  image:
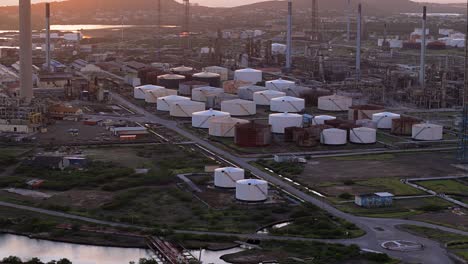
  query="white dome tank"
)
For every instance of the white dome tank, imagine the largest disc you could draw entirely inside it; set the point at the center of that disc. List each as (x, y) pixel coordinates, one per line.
(151, 96)
(239, 107)
(320, 119)
(139, 92)
(384, 119)
(223, 72)
(252, 190)
(224, 126)
(247, 92)
(164, 103)
(287, 104)
(248, 75)
(227, 177)
(427, 132)
(203, 93)
(186, 108)
(281, 121)
(279, 85)
(264, 97)
(334, 137)
(335, 103)
(363, 135)
(201, 119)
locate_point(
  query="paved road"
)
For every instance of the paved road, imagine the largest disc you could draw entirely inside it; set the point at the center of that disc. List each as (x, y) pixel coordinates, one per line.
(378, 230)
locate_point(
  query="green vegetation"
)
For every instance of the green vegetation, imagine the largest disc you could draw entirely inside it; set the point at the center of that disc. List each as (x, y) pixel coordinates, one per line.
(287, 169)
(378, 157)
(16, 260)
(284, 251)
(392, 185)
(445, 186)
(456, 243)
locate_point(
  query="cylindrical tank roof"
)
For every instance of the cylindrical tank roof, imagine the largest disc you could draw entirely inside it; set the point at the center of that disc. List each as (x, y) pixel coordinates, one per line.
(182, 69)
(171, 77)
(206, 75)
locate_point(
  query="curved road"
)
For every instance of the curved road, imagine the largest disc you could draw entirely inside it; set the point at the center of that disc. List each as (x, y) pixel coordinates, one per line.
(377, 230)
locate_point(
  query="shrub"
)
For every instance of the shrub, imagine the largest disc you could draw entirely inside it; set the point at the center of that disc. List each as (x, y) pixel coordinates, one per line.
(345, 196)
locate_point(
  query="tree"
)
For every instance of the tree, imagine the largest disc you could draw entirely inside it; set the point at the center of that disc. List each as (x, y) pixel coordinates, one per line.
(34, 261)
(64, 261)
(12, 260)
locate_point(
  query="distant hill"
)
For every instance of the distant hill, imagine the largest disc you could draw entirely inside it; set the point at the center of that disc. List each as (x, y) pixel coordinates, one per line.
(370, 6)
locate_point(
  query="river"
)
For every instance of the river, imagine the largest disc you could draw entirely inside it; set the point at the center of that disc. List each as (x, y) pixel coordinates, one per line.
(26, 248)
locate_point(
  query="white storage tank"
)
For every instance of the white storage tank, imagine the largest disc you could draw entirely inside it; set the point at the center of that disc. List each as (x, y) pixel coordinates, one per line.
(334, 137)
(320, 119)
(247, 92)
(279, 85)
(427, 132)
(384, 119)
(248, 75)
(223, 72)
(182, 70)
(151, 96)
(287, 104)
(139, 92)
(239, 107)
(213, 79)
(335, 103)
(186, 108)
(227, 177)
(281, 121)
(201, 119)
(264, 97)
(252, 190)
(224, 126)
(201, 94)
(164, 103)
(363, 135)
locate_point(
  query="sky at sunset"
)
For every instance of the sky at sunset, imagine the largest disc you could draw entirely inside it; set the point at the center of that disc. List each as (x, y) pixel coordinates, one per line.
(224, 2)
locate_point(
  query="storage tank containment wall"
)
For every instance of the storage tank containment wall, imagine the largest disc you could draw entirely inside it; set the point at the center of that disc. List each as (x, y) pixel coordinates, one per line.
(264, 97)
(320, 119)
(186, 108)
(281, 121)
(239, 107)
(164, 103)
(334, 137)
(428, 132)
(248, 75)
(287, 104)
(335, 103)
(384, 120)
(252, 190)
(201, 119)
(227, 177)
(363, 135)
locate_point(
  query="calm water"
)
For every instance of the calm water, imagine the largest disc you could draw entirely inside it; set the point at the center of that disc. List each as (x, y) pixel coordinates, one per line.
(25, 248)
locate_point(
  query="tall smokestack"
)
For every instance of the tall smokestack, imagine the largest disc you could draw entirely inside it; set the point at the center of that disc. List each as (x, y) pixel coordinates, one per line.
(422, 71)
(348, 21)
(358, 44)
(25, 38)
(48, 57)
(289, 38)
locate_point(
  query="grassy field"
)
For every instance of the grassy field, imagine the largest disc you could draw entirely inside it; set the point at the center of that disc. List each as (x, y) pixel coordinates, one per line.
(110, 189)
(455, 243)
(445, 186)
(289, 252)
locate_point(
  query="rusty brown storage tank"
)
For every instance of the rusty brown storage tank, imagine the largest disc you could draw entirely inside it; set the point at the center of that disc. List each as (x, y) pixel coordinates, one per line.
(252, 135)
(359, 112)
(404, 125)
(291, 133)
(306, 139)
(233, 86)
(336, 122)
(170, 81)
(348, 127)
(311, 96)
(152, 77)
(185, 88)
(213, 79)
(316, 131)
(184, 71)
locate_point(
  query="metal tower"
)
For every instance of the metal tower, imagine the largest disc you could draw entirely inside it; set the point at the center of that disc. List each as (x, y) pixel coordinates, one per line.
(315, 21)
(463, 136)
(186, 33)
(158, 29)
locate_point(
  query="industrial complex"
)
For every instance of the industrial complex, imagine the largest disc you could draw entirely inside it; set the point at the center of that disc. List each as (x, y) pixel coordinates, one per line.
(306, 125)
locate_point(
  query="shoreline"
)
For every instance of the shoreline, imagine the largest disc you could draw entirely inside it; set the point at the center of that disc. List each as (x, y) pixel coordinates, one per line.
(70, 240)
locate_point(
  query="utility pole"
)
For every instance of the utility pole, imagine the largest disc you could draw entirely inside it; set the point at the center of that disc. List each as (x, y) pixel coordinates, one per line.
(348, 21)
(358, 44)
(422, 70)
(48, 57)
(289, 38)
